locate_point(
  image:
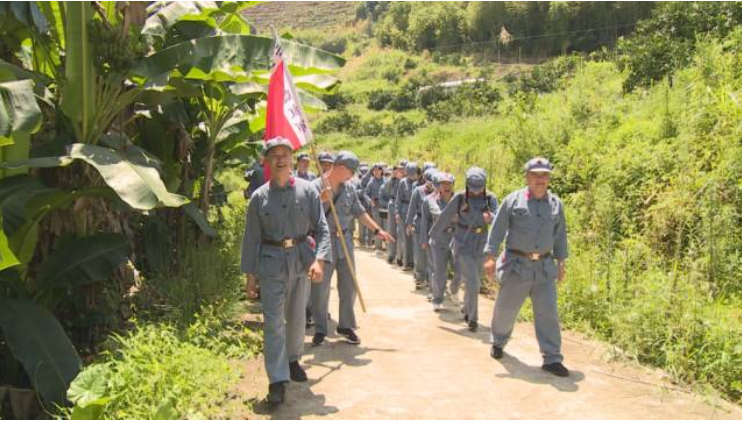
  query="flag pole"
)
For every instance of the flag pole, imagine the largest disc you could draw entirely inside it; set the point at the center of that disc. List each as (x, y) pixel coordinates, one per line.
(333, 210)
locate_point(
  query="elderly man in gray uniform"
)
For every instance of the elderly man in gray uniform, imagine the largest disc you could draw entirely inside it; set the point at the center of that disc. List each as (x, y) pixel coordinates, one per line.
(389, 192)
(412, 227)
(278, 252)
(475, 209)
(401, 206)
(334, 186)
(373, 192)
(440, 245)
(531, 221)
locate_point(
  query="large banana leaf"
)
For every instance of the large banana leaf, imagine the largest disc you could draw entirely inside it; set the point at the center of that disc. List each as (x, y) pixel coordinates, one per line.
(78, 262)
(231, 58)
(166, 14)
(78, 95)
(15, 193)
(55, 15)
(7, 257)
(38, 341)
(200, 219)
(18, 109)
(23, 241)
(136, 183)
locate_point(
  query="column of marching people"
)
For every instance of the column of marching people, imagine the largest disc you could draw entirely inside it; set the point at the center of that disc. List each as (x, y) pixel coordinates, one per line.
(412, 216)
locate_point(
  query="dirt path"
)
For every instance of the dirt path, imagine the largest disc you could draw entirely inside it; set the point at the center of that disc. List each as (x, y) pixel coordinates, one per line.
(414, 363)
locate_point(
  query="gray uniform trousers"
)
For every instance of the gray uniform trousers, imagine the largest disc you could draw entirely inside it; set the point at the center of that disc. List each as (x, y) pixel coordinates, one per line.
(345, 286)
(283, 297)
(391, 227)
(442, 256)
(376, 216)
(420, 257)
(471, 274)
(538, 281)
(404, 246)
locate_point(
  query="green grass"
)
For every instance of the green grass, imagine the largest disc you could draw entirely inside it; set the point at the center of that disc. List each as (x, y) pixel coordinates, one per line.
(653, 194)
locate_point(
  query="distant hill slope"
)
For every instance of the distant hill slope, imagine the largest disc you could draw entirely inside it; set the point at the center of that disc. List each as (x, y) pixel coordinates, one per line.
(301, 14)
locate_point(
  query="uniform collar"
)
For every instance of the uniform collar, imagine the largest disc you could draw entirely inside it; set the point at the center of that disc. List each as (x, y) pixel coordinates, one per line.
(529, 196)
(289, 185)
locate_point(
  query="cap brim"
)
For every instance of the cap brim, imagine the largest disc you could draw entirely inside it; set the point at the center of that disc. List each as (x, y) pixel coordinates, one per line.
(540, 170)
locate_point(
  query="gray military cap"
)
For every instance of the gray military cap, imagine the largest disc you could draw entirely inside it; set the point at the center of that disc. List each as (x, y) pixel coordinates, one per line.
(347, 159)
(302, 156)
(428, 165)
(411, 168)
(444, 177)
(326, 157)
(276, 142)
(476, 178)
(430, 174)
(539, 164)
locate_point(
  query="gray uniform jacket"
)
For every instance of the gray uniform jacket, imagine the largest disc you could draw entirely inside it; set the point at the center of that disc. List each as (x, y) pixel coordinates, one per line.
(470, 234)
(348, 206)
(309, 176)
(373, 190)
(402, 199)
(277, 213)
(389, 191)
(530, 225)
(416, 202)
(432, 207)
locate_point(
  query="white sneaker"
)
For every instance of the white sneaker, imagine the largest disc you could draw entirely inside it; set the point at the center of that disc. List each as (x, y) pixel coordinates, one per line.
(437, 307)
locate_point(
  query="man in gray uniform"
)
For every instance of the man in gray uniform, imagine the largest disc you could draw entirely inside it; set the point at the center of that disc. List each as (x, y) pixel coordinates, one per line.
(389, 191)
(531, 221)
(302, 167)
(412, 226)
(254, 176)
(364, 177)
(475, 210)
(334, 186)
(373, 192)
(401, 206)
(278, 252)
(326, 160)
(440, 245)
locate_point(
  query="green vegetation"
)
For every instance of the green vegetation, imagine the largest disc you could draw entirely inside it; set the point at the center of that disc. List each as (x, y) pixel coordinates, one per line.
(123, 130)
(650, 179)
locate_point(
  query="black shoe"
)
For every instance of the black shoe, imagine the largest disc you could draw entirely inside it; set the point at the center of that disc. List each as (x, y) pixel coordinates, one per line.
(473, 325)
(276, 393)
(349, 335)
(390, 261)
(466, 318)
(407, 269)
(310, 322)
(557, 369)
(297, 373)
(318, 339)
(496, 352)
(399, 263)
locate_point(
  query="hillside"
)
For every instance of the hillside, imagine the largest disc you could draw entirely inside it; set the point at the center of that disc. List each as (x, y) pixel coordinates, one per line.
(301, 14)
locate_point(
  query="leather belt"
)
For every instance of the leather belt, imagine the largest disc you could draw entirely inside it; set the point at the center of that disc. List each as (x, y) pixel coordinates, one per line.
(534, 257)
(475, 230)
(286, 243)
(383, 213)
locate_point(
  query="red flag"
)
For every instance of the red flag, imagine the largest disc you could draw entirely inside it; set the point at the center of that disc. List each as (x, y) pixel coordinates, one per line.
(284, 116)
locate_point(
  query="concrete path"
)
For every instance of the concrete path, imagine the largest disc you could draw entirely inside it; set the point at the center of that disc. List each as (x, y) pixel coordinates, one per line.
(414, 363)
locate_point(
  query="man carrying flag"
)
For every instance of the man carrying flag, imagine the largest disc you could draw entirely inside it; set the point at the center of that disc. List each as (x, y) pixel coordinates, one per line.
(286, 237)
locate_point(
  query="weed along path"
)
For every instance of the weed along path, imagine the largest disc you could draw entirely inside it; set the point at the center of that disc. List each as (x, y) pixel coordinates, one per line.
(414, 363)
